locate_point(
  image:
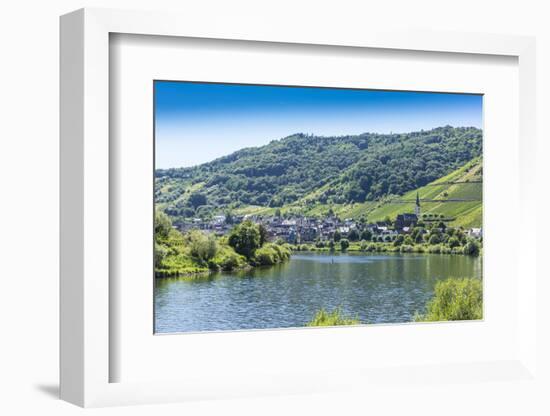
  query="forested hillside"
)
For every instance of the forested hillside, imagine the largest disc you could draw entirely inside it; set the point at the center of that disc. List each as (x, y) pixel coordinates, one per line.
(309, 171)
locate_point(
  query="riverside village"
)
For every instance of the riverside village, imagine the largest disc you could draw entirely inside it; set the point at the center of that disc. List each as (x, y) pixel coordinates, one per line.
(297, 229)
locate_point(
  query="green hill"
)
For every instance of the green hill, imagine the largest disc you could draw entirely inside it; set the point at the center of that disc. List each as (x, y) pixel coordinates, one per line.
(371, 175)
(457, 197)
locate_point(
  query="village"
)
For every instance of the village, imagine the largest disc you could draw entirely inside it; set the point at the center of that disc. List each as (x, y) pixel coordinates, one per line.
(299, 229)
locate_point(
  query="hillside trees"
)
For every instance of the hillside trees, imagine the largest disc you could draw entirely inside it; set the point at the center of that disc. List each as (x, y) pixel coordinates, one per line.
(345, 169)
(245, 238)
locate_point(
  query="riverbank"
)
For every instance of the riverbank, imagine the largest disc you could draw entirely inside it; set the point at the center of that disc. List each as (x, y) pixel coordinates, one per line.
(196, 254)
(471, 247)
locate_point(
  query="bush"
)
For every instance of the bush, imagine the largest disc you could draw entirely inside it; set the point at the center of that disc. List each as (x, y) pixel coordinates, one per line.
(202, 246)
(334, 318)
(344, 244)
(398, 240)
(436, 249)
(434, 239)
(406, 248)
(271, 254)
(265, 256)
(371, 247)
(453, 242)
(419, 249)
(245, 238)
(455, 300)
(230, 262)
(471, 248)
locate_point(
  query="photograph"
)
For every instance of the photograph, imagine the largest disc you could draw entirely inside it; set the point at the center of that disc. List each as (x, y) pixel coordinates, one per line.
(283, 206)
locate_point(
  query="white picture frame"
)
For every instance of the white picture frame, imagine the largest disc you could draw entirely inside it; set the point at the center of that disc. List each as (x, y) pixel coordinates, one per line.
(87, 355)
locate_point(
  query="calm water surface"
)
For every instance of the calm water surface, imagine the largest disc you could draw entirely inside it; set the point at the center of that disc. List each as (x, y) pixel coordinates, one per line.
(377, 288)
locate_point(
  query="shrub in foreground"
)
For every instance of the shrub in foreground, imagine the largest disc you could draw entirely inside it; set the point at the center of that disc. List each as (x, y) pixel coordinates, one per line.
(334, 318)
(455, 300)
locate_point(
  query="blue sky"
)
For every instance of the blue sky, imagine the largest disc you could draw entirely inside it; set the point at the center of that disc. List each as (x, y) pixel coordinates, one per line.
(198, 122)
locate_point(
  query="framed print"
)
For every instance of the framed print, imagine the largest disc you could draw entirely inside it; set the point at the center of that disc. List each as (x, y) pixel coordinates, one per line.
(243, 215)
(307, 229)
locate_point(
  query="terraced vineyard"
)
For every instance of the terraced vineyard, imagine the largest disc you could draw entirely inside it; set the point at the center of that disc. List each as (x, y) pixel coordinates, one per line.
(457, 196)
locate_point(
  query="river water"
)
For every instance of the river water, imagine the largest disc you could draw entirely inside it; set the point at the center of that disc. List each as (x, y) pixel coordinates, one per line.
(376, 288)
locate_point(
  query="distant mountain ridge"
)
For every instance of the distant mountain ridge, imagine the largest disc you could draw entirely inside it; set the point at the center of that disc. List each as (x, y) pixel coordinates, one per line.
(328, 170)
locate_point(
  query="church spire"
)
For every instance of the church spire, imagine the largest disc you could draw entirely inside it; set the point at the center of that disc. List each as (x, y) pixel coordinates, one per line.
(417, 206)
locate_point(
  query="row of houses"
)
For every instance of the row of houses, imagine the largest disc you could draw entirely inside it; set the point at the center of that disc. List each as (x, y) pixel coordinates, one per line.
(302, 229)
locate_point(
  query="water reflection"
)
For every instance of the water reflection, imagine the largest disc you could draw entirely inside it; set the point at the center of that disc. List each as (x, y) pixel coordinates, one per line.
(377, 288)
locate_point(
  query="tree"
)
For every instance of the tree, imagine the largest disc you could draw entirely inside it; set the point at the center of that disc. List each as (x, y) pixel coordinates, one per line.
(196, 199)
(471, 248)
(245, 238)
(229, 218)
(264, 234)
(163, 225)
(453, 242)
(353, 235)
(202, 246)
(366, 235)
(344, 244)
(278, 213)
(398, 240)
(434, 239)
(331, 245)
(337, 236)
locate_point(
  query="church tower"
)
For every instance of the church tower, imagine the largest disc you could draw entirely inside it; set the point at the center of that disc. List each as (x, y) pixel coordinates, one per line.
(417, 206)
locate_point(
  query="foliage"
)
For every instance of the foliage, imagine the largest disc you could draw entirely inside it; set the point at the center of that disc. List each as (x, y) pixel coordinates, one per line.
(471, 248)
(344, 244)
(163, 225)
(196, 252)
(245, 238)
(455, 300)
(353, 235)
(201, 246)
(271, 254)
(334, 318)
(326, 170)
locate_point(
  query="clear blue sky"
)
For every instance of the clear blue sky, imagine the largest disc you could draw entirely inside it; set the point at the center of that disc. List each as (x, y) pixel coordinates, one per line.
(198, 122)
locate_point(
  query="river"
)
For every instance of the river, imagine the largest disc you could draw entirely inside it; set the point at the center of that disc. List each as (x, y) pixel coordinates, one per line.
(376, 288)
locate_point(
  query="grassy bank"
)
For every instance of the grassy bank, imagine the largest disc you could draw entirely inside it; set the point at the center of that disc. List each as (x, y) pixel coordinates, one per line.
(471, 247)
(195, 253)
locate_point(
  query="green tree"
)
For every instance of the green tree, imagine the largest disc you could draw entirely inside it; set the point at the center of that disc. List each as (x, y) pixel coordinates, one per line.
(196, 199)
(202, 246)
(337, 236)
(245, 238)
(353, 235)
(366, 235)
(163, 225)
(434, 239)
(453, 242)
(264, 234)
(398, 240)
(471, 248)
(344, 244)
(229, 218)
